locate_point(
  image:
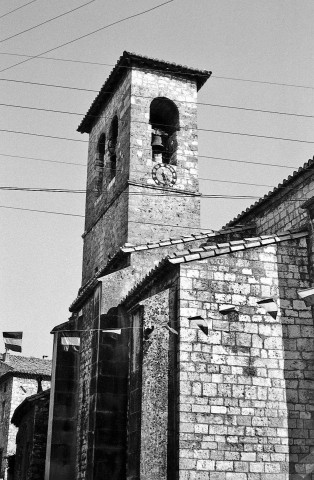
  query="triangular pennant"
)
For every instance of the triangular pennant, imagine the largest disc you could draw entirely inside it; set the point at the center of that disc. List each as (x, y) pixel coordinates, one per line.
(172, 330)
(307, 295)
(148, 331)
(202, 324)
(112, 330)
(270, 306)
(226, 309)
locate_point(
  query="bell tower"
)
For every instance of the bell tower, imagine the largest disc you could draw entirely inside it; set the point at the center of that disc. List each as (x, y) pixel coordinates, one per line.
(142, 177)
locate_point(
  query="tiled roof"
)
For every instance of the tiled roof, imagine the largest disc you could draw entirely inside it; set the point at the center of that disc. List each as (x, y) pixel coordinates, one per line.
(307, 168)
(28, 365)
(126, 61)
(206, 252)
(129, 248)
(202, 253)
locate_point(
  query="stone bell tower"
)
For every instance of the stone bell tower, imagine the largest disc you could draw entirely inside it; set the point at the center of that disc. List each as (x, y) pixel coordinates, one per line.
(142, 186)
(142, 179)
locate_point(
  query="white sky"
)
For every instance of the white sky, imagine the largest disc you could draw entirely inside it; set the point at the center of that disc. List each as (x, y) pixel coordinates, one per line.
(265, 40)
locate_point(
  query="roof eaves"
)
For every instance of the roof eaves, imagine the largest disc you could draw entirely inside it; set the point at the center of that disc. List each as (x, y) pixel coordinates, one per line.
(131, 60)
(222, 249)
(280, 189)
(129, 248)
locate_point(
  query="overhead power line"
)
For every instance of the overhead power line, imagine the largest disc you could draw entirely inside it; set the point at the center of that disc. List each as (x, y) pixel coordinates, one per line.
(65, 190)
(47, 85)
(43, 160)
(66, 112)
(46, 21)
(18, 8)
(41, 211)
(199, 156)
(222, 77)
(286, 139)
(131, 221)
(246, 161)
(89, 34)
(265, 82)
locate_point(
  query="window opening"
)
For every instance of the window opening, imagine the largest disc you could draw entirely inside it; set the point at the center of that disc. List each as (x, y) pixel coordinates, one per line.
(164, 119)
(100, 164)
(112, 147)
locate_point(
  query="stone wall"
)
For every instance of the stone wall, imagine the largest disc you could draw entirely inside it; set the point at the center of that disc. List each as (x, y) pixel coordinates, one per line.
(13, 392)
(106, 213)
(245, 390)
(5, 408)
(133, 198)
(31, 441)
(283, 211)
(173, 215)
(152, 426)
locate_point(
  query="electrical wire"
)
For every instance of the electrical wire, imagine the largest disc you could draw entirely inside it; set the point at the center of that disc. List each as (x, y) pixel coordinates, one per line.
(135, 221)
(18, 8)
(89, 34)
(65, 190)
(42, 211)
(215, 105)
(199, 156)
(264, 82)
(43, 160)
(222, 77)
(196, 128)
(47, 85)
(45, 22)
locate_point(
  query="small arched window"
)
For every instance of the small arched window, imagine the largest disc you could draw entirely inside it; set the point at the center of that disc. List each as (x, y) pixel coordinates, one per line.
(164, 119)
(112, 147)
(100, 164)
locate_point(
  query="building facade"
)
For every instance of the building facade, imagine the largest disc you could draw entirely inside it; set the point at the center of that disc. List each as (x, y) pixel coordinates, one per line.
(31, 419)
(181, 372)
(19, 377)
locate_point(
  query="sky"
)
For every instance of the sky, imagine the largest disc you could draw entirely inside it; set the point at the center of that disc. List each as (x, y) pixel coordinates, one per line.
(261, 56)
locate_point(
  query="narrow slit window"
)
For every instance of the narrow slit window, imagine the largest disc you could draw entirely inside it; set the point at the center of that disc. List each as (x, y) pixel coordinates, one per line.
(100, 163)
(112, 147)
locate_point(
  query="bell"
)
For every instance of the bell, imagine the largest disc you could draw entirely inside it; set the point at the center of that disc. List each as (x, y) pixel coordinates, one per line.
(157, 144)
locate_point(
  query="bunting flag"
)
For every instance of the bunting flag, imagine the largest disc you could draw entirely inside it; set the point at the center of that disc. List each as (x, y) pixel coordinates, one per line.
(172, 330)
(226, 309)
(112, 330)
(307, 295)
(202, 324)
(13, 341)
(72, 343)
(270, 306)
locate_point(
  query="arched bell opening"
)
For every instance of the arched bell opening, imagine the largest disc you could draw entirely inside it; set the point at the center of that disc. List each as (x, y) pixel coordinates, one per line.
(164, 119)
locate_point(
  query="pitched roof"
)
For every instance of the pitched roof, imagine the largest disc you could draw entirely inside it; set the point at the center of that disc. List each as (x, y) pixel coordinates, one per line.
(206, 252)
(307, 169)
(129, 248)
(202, 253)
(27, 365)
(126, 61)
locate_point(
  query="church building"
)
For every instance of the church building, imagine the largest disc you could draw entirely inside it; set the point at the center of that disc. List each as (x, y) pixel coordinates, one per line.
(188, 355)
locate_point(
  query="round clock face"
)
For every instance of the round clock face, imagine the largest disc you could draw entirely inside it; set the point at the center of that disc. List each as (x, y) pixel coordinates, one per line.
(164, 174)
